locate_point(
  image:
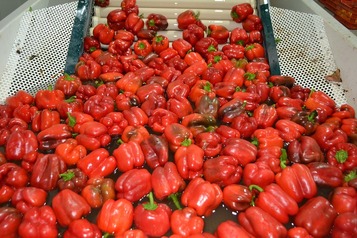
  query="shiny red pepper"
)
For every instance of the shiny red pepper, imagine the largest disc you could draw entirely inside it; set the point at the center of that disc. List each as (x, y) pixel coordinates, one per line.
(241, 11)
(189, 160)
(68, 84)
(69, 105)
(98, 191)
(88, 70)
(175, 134)
(12, 177)
(343, 156)
(39, 222)
(258, 173)
(245, 124)
(239, 36)
(289, 130)
(129, 83)
(276, 202)
(210, 142)
(229, 229)
(218, 32)
(182, 46)
(27, 197)
(133, 184)
(116, 216)
(152, 102)
(45, 119)
(82, 228)
(252, 23)
(134, 23)
(344, 199)
(202, 196)
(233, 51)
(206, 45)
(135, 133)
(69, 206)
(128, 156)
(155, 150)
(160, 43)
(97, 163)
(317, 216)
(260, 223)
(349, 126)
(305, 150)
(21, 145)
(115, 122)
(222, 170)
(327, 135)
(345, 225)
(85, 91)
(325, 174)
(48, 98)
(160, 119)
(74, 179)
(116, 19)
(90, 44)
(237, 197)
(98, 106)
(265, 115)
(142, 48)
(152, 218)
(186, 222)
(187, 17)
(156, 22)
(241, 149)
(297, 181)
(103, 33)
(322, 103)
(10, 220)
(93, 135)
(166, 180)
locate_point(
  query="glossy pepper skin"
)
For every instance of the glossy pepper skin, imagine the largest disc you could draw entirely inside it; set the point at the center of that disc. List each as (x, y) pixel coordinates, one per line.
(133, 184)
(228, 229)
(166, 180)
(156, 22)
(305, 151)
(51, 137)
(343, 156)
(69, 206)
(116, 19)
(244, 151)
(48, 98)
(276, 202)
(97, 163)
(70, 151)
(116, 216)
(152, 218)
(316, 216)
(103, 33)
(222, 170)
(202, 196)
(175, 134)
(186, 222)
(39, 222)
(93, 135)
(155, 149)
(327, 135)
(237, 197)
(128, 156)
(98, 190)
(241, 11)
(27, 197)
(344, 199)
(10, 220)
(260, 223)
(12, 177)
(325, 174)
(345, 225)
(82, 228)
(296, 180)
(68, 83)
(44, 119)
(46, 171)
(21, 144)
(74, 179)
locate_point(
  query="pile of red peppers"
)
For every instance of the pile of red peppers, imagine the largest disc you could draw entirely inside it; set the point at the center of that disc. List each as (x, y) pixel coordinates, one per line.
(150, 138)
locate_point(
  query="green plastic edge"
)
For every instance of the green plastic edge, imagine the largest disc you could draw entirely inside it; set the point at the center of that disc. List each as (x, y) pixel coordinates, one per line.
(269, 40)
(79, 31)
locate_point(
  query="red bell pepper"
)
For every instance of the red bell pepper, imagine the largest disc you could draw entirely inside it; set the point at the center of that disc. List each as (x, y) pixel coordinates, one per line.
(265, 115)
(85, 91)
(10, 220)
(70, 152)
(245, 124)
(181, 106)
(177, 88)
(39, 222)
(103, 33)
(21, 97)
(343, 156)
(182, 46)
(233, 108)
(27, 197)
(289, 130)
(116, 216)
(98, 106)
(239, 36)
(186, 222)
(93, 135)
(244, 151)
(135, 133)
(152, 218)
(69, 105)
(46, 171)
(255, 36)
(213, 75)
(153, 88)
(276, 202)
(107, 89)
(44, 119)
(69, 206)
(260, 223)
(345, 225)
(175, 134)
(21, 145)
(222, 170)
(241, 11)
(201, 88)
(25, 112)
(210, 142)
(129, 83)
(189, 160)
(305, 150)
(156, 22)
(48, 98)
(237, 197)
(132, 233)
(155, 150)
(160, 43)
(135, 116)
(202, 196)
(349, 126)
(198, 123)
(325, 174)
(226, 132)
(235, 75)
(317, 216)
(186, 18)
(98, 190)
(125, 100)
(142, 48)
(259, 173)
(74, 179)
(344, 199)
(115, 123)
(252, 23)
(166, 180)
(97, 163)
(134, 23)
(76, 119)
(205, 45)
(229, 229)
(88, 70)
(327, 135)
(90, 44)
(297, 181)
(218, 32)
(322, 103)
(12, 177)
(2, 158)
(116, 19)
(82, 228)
(152, 102)
(254, 51)
(298, 232)
(128, 156)
(68, 84)
(306, 119)
(133, 184)
(160, 119)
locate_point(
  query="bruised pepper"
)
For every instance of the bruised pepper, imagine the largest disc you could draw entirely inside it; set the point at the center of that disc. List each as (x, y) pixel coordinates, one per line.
(98, 190)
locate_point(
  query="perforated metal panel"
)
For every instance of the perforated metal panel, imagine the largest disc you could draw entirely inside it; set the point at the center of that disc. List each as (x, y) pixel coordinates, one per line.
(39, 52)
(304, 51)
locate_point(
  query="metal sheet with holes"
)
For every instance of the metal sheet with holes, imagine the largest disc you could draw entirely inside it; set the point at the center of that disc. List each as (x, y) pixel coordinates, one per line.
(39, 51)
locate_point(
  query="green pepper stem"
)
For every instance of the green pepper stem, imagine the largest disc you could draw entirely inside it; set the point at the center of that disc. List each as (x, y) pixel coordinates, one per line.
(151, 205)
(174, 198)
(256, 187)
(186, 142)
(283, 158)
(351, 175)
(341, 156)
(67, 176)
(71, 120)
